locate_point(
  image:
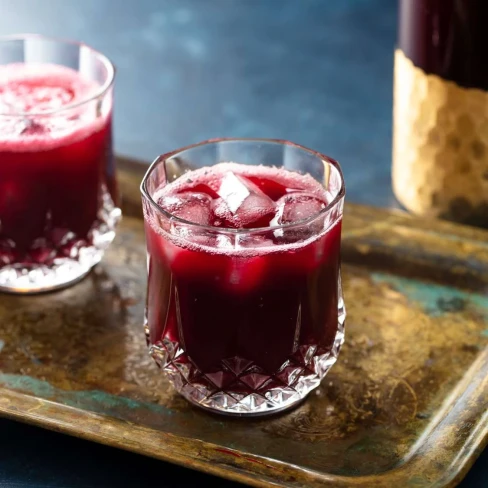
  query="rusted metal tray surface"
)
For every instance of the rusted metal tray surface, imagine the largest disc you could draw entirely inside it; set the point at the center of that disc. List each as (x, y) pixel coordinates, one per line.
(406, 404)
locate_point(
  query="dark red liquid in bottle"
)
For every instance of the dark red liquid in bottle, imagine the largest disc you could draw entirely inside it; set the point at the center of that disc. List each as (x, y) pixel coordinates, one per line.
(245, 315)
(448, 38)
(440, 152)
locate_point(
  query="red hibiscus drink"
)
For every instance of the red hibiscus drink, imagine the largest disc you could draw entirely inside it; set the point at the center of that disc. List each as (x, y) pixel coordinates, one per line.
(244, 302)
(58, 195)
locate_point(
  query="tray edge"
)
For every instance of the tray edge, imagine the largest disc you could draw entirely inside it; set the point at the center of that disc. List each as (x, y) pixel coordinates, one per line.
(212, 459)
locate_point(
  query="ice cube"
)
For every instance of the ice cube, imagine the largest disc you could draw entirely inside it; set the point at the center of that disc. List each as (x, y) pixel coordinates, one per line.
(203, 188)
(242, 204)
(193, 207)
(244, 274)
(250, 241)
(213, 241)
(234, 191)
(224, 242)
(297, 206)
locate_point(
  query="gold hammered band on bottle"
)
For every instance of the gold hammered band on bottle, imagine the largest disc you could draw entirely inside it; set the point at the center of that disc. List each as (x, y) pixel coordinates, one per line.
(440, 145)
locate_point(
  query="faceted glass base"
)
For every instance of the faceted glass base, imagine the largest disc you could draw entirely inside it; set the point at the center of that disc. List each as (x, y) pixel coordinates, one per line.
(37, 278)
(65, 269)
(241, 388)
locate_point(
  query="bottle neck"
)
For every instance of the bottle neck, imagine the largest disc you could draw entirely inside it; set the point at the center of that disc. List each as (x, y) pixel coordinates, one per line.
(448, 38)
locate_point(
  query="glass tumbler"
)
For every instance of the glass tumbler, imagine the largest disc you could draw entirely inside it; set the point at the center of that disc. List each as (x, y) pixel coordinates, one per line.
(244, 321)
(58, 193)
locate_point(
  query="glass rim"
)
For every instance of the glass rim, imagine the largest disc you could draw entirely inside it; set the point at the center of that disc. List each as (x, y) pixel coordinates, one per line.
(101, 91)
(222, 230)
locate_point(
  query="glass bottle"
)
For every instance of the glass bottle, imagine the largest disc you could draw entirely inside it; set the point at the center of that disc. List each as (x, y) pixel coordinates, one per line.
(440, 128)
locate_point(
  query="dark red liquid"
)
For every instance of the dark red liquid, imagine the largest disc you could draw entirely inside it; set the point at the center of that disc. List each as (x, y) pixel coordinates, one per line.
(255, 307)
(448, 38)
(53, 178)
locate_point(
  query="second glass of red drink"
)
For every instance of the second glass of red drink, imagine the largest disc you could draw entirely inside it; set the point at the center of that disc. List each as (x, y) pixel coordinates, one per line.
(244, 301)
(58, 194)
